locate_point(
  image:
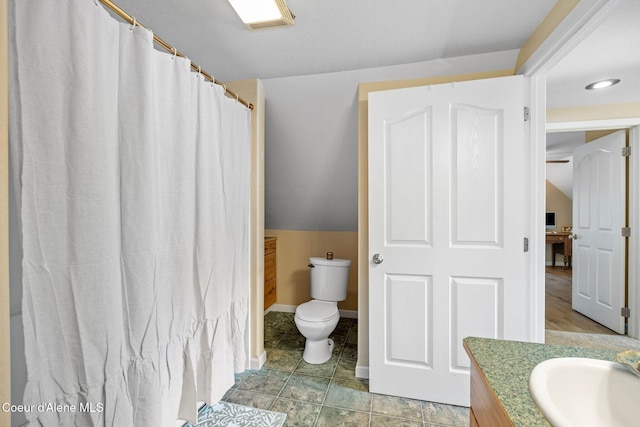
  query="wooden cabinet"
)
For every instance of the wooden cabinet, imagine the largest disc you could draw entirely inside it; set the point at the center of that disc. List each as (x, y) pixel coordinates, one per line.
(486, 410)
(269, 271)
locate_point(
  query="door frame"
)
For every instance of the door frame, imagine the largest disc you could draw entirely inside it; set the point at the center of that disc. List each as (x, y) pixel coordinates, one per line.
(633, 269)
(577, 24)
(548, 45)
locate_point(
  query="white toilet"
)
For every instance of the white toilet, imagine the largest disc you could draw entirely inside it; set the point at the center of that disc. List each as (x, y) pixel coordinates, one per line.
(317, 318)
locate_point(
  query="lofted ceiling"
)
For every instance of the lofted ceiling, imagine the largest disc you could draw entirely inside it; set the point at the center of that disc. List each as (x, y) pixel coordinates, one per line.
(337, 35)
(332, 36)
(560, 146)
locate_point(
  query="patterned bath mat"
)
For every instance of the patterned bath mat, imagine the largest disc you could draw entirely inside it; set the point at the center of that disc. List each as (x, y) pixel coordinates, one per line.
(224, 414)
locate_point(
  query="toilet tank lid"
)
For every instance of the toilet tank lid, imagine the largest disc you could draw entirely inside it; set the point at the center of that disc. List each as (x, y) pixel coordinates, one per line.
(331, 262)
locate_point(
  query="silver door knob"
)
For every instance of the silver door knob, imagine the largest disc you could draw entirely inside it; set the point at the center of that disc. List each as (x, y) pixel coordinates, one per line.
(574, 236)
(377, 259)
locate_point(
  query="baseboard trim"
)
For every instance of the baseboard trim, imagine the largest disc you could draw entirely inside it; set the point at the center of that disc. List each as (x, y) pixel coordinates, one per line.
(257, 362)
(362, 371)
(282, 307)
(349, 314)
(558, 264)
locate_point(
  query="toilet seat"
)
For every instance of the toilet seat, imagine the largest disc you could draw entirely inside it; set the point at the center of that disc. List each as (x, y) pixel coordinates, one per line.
(317, 311)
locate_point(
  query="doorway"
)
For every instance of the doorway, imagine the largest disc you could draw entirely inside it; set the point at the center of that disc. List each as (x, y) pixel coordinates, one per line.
(587, 299)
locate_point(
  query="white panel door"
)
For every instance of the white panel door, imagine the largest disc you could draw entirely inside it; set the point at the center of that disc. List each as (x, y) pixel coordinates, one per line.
(448, 191)
(598, 217)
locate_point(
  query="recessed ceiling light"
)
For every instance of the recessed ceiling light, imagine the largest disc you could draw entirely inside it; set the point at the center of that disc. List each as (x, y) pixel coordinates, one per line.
(602, 84)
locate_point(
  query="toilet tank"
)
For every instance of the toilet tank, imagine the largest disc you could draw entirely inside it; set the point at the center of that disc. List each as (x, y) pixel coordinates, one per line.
(329, 278)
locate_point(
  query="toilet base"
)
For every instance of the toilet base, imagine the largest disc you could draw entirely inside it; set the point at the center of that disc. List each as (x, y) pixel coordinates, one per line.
(318, 352)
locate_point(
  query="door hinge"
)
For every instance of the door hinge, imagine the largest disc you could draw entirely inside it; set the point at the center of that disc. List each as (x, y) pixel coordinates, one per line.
(625, 312)
(526, 114)
(626, 151)
(526, 244)
(626, 231)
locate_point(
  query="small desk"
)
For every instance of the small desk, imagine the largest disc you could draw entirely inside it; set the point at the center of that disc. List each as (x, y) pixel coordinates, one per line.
(560, 242)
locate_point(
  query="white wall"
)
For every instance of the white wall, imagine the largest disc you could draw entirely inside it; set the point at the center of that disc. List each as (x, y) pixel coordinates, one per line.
(311, 144)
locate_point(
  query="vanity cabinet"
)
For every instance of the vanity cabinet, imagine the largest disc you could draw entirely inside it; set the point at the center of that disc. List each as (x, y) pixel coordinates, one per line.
(269, 271)
(500, 371)
(486, 410)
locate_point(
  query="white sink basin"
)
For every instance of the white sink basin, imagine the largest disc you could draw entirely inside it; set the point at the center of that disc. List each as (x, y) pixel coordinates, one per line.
(586, 392)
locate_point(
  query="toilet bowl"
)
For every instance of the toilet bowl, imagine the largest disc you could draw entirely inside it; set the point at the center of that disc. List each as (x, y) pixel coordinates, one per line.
(317, 318)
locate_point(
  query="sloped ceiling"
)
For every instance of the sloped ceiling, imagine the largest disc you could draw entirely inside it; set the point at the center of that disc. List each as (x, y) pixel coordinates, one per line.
(333, 35)
(560, 147)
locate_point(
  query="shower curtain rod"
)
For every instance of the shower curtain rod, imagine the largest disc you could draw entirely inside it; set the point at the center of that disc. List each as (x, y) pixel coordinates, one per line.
(131, 20)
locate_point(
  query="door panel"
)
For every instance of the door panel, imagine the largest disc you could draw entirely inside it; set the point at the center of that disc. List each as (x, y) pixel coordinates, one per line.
(483, 297)
(599, 212)
(477, 181)
(447, 211)
(605, 268)
(409, 313)
(408, 219)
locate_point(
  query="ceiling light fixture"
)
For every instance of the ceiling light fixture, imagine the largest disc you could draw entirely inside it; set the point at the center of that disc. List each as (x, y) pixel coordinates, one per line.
(602, 84)
(258, 14)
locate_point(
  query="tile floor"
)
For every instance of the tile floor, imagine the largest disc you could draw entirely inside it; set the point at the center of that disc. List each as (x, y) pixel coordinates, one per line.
(328, 394)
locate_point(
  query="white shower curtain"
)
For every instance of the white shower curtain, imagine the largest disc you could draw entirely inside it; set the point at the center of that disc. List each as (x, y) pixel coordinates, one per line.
(133, 191)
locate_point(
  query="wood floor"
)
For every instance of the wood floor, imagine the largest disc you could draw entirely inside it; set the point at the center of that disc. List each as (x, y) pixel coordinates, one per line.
(559, 314)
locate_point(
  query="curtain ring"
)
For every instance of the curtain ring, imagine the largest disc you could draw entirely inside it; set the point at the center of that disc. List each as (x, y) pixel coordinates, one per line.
(95, 2)
(213, 81)
(175, 52)
(225, 88)
(133, 25)
(237, 97)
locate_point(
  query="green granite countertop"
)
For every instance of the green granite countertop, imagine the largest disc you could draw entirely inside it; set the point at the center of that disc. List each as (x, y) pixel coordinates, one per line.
(508, 364)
